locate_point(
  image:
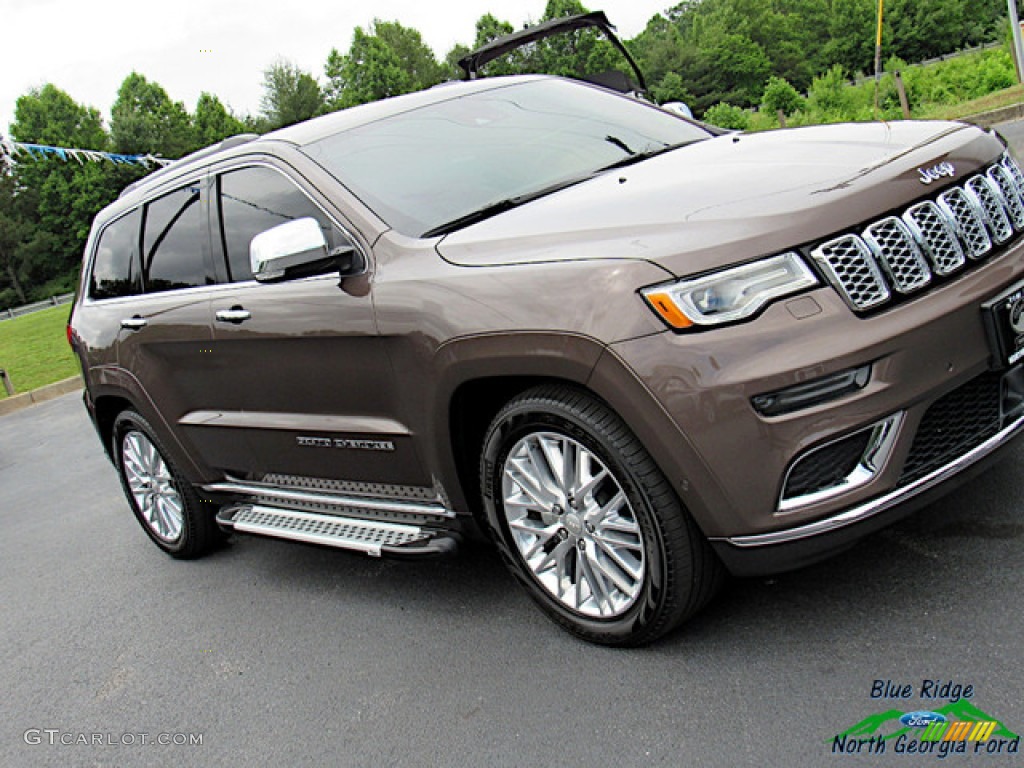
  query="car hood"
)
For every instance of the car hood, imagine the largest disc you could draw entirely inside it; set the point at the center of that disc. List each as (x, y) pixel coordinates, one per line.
(728, 199)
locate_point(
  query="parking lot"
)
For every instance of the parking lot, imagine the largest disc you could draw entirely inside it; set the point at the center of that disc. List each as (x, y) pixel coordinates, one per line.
(272, 653)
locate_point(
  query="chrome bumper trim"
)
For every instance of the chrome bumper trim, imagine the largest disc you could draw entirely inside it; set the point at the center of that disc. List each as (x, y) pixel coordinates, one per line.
(882, 503)
(872, 461)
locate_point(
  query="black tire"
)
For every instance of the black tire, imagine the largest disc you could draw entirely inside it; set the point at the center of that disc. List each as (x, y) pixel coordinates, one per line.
(175, 517)
(680, 573)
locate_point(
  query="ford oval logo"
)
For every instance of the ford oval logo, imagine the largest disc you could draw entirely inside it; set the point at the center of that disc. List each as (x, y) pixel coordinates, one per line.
(922, 719)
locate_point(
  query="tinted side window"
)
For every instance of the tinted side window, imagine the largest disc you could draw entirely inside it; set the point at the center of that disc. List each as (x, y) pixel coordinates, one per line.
(115, 269)
(174, 243)
(253, 200)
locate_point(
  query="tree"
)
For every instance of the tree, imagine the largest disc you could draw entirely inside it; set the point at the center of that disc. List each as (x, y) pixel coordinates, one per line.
(671, 88)
(576, 54)
(727, 116)
(416, 56)
(660, 49)
(489, 28)
(780, 95)
(15, 231)
(451, 62)
(383, 61)
(212, 122)
(48, 115)
(144, 120)
(56, 198)
(738, 68)
(289, 95)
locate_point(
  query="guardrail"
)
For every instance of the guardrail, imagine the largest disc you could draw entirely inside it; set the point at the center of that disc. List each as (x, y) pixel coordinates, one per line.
(944, 57)
(28, 309)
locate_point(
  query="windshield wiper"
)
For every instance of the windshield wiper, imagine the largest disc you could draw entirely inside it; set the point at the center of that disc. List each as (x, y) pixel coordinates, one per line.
(646, 154)
(508, 203)
(500, 206)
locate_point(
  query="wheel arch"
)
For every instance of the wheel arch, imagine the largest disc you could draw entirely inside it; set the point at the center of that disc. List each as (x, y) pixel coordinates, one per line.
(476, 376)
(472, 408)
(113, 390)
(597, 370)
(106, 409)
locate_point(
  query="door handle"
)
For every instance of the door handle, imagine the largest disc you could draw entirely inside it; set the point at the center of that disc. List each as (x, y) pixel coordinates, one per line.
(234, 315)
(133, 323)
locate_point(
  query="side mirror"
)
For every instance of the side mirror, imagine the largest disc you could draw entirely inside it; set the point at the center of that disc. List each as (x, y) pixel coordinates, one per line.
(298, 248)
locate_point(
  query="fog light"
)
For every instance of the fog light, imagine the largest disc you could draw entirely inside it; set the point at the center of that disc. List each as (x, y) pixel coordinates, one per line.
(812, 393)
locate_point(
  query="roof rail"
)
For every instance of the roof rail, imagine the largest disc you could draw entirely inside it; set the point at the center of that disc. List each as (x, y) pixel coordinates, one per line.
(228, 143)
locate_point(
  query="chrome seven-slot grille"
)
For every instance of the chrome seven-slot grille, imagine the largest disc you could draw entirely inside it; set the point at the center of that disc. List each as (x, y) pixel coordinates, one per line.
(900, 255)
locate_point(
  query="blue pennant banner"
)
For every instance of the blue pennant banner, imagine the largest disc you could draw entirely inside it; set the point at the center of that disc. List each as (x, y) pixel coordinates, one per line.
(16, 150)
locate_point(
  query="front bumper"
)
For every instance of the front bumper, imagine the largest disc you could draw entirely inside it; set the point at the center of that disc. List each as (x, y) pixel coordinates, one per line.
(791, 548)
(729, 463)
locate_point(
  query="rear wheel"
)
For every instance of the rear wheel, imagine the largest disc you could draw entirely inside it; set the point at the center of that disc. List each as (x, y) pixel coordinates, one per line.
(588, 523)
(165, 504)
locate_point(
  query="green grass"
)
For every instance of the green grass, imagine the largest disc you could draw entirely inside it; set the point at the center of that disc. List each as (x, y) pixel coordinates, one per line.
(1004, 98)
(34, 350)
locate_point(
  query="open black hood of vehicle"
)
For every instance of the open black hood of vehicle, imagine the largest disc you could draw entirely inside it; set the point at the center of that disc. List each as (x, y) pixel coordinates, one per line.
(473, 61)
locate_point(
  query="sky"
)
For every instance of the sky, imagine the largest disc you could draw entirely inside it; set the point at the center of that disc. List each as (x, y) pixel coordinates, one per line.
(223, 46)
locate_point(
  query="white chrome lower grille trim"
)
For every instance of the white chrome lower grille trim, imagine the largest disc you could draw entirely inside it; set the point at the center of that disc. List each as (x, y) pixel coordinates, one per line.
(876, 506)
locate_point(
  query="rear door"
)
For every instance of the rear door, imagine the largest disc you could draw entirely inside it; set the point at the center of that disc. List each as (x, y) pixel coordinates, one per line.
(165, 333)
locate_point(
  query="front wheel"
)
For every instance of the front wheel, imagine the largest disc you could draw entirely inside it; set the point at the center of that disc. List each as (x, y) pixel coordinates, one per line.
(165, 504)
(588, 523)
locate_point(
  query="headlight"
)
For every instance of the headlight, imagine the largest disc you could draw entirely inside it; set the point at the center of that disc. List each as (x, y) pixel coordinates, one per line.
(732, 294)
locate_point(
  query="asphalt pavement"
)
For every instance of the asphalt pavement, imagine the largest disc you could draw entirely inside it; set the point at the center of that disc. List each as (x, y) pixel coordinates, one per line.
(270, 653)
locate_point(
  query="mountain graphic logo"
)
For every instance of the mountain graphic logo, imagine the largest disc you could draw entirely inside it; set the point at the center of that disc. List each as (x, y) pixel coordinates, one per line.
(887, 725)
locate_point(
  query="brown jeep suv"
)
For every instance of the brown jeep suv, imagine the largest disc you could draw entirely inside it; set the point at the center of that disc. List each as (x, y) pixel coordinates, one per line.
(639, 352)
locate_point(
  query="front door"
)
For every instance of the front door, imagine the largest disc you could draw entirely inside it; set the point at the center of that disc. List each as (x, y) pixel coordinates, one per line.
(305, 379)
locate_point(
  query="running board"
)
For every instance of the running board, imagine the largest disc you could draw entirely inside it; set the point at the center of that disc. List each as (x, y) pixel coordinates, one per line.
(369, 536)
(364, 506)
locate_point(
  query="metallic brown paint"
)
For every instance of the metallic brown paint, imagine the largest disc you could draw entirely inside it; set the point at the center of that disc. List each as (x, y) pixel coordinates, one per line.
(549, 291)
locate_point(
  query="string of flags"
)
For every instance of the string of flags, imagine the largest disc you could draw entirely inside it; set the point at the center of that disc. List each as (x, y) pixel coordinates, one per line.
(14, 150)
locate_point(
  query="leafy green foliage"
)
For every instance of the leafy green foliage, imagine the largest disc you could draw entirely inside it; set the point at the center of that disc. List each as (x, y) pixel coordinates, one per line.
(576, 53)
(385, 60)
(289, 95)
(212, 122)
(15, 231)
(47, 204)
(717, 56)
(144, 120)
(671, 88)
(831, 98)
(727, 116)
(724, 50)
(780, 95)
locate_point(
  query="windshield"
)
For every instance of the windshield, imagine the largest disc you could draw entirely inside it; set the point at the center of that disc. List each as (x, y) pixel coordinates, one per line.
(426, 168)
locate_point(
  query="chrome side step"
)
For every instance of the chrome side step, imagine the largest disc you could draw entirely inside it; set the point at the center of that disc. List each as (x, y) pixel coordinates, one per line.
(370, 536)
(363, 506)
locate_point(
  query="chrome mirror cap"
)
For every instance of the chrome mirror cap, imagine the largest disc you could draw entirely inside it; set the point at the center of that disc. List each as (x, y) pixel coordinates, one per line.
(286, 247)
